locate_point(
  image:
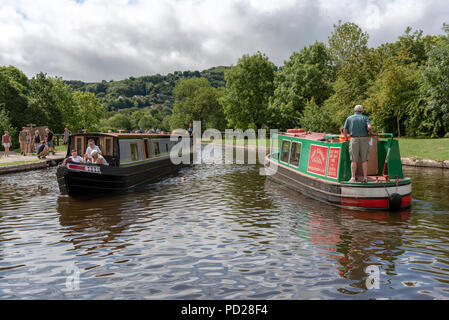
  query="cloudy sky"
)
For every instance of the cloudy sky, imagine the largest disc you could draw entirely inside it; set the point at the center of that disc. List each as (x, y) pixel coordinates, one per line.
(92, 40)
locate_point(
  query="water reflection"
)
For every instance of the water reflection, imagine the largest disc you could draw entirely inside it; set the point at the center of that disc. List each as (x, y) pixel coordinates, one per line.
(221, 232)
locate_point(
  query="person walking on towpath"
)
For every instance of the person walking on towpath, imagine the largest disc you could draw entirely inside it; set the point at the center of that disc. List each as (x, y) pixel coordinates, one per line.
(23, 141)
(6, 142)
(50, 140)
(67, 134)
(359, 127)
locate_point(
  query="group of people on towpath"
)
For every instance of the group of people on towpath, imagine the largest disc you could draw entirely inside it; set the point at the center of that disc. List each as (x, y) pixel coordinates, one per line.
(29, 143)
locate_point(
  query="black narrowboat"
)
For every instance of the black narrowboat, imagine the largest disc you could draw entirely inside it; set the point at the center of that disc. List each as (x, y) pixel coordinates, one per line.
(133, 159)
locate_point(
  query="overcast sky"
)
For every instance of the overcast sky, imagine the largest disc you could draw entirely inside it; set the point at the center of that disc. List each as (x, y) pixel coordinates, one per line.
(92, 40)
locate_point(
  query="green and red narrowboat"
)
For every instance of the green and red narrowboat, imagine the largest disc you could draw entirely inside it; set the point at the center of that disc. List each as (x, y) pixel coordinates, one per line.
(318, 165)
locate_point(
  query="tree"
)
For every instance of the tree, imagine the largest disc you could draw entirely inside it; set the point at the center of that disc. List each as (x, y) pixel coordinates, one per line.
(352, 84)
(50, 101)
(347, 42)
(249, 85)
(5, 125)
(305, 76)
(197, 100)
(148, 122)
(87, 112)
(14, 86)
(119, 122)
(394, 91)
(436, 85)
(318, 119)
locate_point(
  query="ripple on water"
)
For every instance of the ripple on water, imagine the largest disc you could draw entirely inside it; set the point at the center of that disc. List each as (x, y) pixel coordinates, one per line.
(223, 232)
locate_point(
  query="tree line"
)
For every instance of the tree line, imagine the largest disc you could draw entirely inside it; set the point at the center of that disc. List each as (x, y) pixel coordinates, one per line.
(404, 87)
(44, 100)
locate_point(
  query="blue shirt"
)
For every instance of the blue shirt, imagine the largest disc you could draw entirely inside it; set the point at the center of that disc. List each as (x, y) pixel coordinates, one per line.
(357, 125)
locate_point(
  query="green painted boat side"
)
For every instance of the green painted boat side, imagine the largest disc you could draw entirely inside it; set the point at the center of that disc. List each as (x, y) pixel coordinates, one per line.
(394, 167)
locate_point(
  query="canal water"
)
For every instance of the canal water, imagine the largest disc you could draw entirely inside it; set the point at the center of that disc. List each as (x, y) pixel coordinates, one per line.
(218, 232)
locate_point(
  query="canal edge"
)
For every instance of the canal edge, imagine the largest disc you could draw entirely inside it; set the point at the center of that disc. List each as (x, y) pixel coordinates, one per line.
(23, 167)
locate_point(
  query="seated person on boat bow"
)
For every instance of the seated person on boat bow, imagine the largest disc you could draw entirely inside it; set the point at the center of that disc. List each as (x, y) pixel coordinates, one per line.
(97, 158)
(74, 158)
(359, 127)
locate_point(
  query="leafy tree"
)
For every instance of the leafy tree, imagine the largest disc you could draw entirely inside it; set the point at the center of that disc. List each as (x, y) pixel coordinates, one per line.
(249, 85)
(14, 86)
(436, 85)
(197, 100)
(305, 76)
(347, 42)
(119, 122)
(50, 101)
(394, 91)
(318, 119)
(87, 112)
(352, 84)
(5, 125)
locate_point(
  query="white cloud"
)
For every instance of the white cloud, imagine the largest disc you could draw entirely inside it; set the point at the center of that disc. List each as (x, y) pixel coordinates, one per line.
(93, 40)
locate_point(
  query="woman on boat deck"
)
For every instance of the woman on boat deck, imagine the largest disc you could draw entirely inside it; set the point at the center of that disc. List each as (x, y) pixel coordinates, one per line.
(359, 127)
(97, 158)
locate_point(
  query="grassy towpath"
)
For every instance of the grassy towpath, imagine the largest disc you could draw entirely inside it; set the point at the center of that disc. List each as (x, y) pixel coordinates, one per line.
(433, 149)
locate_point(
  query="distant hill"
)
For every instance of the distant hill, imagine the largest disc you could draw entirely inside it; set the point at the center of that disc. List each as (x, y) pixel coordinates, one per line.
(147, 91)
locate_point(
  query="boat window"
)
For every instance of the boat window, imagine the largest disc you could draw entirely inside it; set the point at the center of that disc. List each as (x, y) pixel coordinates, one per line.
(285, 150)
(295, 154)
(79, 145)
(108, 147)
(157, 150)
(134, 152)
(146, 149)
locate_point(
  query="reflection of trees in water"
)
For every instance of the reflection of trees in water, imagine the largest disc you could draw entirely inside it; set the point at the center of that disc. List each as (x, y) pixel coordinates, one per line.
(429, 184)
(354, 239)
(251, 206)
(100, 222)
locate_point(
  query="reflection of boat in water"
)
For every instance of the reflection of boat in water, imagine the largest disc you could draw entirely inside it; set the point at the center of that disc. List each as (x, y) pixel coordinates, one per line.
(352, 239)
(133, 159)
(318, 165)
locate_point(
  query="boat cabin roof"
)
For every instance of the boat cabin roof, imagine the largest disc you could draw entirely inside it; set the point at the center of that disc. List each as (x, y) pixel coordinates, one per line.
(125, 135)
(317, 136)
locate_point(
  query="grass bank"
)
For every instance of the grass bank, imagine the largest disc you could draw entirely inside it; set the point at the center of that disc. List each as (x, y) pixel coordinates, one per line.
(433, 149)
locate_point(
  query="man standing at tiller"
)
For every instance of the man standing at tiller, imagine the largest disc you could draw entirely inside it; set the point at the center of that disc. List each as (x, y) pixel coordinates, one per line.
(359, 127)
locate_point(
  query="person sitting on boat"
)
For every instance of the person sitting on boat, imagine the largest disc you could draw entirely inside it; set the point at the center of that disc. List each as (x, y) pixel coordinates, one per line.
(359, 127)
(75, 157)
(90, 148)
(97, 158)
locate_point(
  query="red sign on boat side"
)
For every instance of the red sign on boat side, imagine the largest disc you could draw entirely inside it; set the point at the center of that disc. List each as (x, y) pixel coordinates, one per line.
(334, 160)
(317, 159)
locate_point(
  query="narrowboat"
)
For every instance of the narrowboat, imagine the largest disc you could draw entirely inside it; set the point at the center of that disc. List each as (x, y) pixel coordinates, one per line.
(318, 165)
(132, 158)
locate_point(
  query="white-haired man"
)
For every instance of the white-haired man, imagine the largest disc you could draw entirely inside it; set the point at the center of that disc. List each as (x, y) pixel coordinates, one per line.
(359, 127)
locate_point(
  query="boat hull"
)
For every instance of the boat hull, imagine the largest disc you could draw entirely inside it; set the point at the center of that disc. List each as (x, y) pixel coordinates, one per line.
(78, 179)
(362, 196)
